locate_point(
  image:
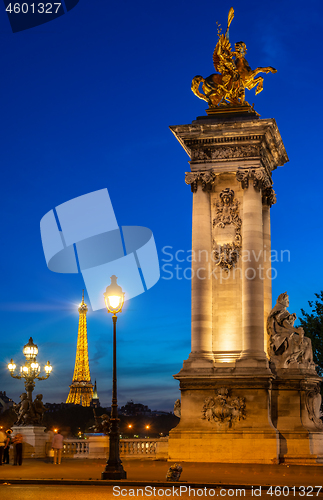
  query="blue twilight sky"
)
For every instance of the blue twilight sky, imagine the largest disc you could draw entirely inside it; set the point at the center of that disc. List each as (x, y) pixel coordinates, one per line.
(86, 101)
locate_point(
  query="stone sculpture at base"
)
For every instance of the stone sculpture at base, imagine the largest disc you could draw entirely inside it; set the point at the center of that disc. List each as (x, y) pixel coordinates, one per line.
(289, 348)
(24, 410)
(29, 412)
(29, 424)
(39, 409)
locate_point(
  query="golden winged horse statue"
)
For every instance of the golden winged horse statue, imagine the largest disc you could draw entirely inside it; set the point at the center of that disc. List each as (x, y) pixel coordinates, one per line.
(233, 76)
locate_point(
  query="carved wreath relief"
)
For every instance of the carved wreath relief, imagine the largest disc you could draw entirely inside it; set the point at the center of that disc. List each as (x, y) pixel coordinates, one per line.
(313, 400)
(223, 408)
(227, 239)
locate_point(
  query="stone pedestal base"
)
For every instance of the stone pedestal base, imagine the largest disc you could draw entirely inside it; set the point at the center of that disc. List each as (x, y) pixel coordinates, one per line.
(35, 439)
(295, 414)
(225, 418)
(223, 447)
(240, 414)
(98, 447)
(199, 363)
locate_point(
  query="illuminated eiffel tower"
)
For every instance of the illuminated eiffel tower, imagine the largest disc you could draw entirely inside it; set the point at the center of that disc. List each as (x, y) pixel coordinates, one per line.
(81, 389)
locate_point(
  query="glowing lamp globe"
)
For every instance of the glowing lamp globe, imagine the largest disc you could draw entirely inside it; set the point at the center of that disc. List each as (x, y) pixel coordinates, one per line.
(30, 350)
(114, 296)
(11, 366)
(48, 368)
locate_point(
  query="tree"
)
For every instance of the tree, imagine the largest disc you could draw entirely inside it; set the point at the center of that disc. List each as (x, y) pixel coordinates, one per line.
(313, 327)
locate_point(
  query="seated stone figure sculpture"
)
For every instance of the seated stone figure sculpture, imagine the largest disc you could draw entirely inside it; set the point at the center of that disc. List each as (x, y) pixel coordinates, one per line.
(289, 348)
(39, 409)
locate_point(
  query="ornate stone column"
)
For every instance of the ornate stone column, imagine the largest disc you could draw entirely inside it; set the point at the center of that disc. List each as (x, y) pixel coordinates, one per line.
(216, 383)
(268, 199)
(201, 337)
(253, 180)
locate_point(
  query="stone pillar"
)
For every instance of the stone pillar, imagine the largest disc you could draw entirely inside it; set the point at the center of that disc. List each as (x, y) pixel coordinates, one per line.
(226, 399)
(201, 338)
(34, 440)
(268, 199)
(252, 181)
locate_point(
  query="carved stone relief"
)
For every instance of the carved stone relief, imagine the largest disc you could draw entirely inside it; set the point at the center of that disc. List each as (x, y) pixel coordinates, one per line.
(268, 196)
(177, 408)
(225, 152)
(313, 400)
(223, 408)
(258, 176)
(205, 178)
(227, 239)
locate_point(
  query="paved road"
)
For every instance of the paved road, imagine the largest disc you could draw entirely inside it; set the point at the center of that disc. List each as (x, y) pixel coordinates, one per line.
(146, 470)
(62, 492)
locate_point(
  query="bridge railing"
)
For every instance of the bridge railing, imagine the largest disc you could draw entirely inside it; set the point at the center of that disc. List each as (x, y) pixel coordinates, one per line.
(98, 447)
(138, 448)
(76, 448)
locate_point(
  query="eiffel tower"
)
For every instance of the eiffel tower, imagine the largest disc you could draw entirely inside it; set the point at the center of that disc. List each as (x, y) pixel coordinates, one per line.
(81, 389)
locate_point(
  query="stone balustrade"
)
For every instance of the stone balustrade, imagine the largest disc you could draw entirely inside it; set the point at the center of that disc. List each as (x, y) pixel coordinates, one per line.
(76, 448)
(98, 447)
(138, 447)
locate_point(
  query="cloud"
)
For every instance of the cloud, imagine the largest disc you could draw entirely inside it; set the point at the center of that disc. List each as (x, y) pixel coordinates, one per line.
(100, 352)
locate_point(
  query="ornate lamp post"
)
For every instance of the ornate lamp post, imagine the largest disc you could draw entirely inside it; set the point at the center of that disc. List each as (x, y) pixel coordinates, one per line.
(29, 371)
(114, 299)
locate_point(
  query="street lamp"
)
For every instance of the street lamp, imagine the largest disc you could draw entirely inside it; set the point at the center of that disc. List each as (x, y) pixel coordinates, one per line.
(30, 370)
(114, 299)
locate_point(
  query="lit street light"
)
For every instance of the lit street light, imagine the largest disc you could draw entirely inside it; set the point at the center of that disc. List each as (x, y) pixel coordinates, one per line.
(114, 299)
(30, 371)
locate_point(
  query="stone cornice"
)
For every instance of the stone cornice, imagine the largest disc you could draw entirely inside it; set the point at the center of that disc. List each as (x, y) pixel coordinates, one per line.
(219, 142)
(212, 384)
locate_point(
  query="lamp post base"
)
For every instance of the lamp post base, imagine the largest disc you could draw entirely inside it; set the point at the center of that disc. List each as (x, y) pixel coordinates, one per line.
(112, 472)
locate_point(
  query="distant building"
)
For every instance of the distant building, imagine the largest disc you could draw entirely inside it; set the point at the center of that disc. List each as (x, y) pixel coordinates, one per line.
(160, 413)
(95, 400)
(132, 409)
(52, 407)
(5, 402)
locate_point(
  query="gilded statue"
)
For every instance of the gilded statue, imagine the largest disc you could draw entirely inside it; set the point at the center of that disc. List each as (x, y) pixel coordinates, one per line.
(233, 76)
(289, 348)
